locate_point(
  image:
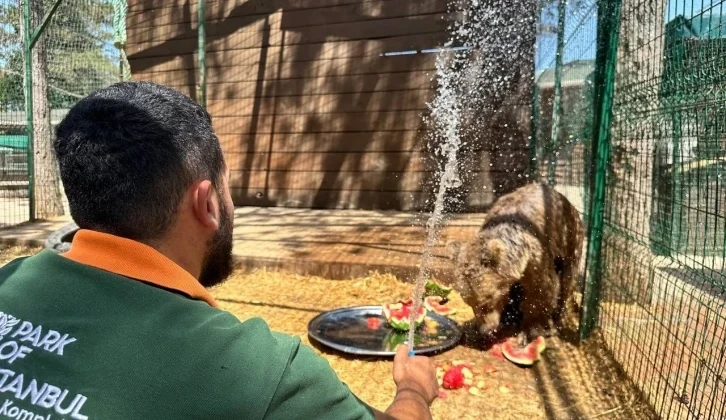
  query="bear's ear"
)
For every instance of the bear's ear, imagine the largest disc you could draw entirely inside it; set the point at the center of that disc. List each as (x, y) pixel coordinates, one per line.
(493, 252)
(453, 249)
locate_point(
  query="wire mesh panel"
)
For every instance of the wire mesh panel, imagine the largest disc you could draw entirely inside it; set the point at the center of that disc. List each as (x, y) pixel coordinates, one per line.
(13, 141)
(77, 53)
(79, 50)
(663, 289)
(563, 99)
(663, 308)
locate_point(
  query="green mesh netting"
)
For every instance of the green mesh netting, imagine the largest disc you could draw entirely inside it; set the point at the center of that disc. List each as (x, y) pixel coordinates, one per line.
(662, 283)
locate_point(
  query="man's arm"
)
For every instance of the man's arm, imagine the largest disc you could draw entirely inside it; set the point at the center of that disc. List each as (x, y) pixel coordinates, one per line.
(416, 388)
(404, 408)
(310, 389)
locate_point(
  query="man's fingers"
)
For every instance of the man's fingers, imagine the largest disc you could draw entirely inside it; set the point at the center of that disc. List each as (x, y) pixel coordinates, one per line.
(401, 353)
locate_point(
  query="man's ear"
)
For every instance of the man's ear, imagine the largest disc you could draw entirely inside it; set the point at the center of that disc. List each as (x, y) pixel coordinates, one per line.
(206, 204)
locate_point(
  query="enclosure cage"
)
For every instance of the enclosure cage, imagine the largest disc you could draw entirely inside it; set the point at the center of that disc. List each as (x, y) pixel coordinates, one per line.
(690, 157)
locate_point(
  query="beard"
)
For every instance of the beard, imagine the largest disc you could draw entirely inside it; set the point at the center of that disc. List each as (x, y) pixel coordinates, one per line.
(218, 262)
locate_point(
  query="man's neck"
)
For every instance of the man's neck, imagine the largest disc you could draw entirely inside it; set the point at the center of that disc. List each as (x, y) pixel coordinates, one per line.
(177, 254)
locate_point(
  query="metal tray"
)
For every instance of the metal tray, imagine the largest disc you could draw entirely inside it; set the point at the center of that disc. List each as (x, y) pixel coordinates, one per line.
(346, 330)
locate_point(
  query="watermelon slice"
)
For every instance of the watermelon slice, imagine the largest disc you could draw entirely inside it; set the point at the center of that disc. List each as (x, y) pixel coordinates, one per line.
(540, 343)
(398, 315)
(435, 289)
(435, 305)
(526, 356)
(497, 351)
(458, 376)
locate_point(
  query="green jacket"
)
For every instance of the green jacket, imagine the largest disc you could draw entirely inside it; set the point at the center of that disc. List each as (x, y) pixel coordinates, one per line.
(78, 342)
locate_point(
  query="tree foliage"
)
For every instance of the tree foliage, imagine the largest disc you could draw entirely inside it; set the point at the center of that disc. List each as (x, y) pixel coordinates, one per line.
(80, 52)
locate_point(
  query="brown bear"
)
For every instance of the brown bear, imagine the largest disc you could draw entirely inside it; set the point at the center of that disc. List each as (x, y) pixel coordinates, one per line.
(523, 262)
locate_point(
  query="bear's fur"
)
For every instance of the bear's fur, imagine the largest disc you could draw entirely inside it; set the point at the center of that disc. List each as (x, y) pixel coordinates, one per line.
(525, 258)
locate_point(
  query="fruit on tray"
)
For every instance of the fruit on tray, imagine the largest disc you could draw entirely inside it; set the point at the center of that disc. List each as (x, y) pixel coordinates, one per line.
(436, 305)
(435, 289)
(399, 314)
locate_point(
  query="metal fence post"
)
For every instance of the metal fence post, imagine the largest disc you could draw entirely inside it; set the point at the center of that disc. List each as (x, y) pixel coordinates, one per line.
(27, 47)
(202, 41)
(606, 60)
(534, 123)
(557, 101)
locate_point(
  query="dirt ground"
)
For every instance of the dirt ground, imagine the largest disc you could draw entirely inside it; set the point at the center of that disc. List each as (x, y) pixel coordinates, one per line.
(570, 382)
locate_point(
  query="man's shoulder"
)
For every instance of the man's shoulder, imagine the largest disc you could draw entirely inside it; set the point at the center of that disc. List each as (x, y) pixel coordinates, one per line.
(11, 266)
(225, 329)
(18, 265)
(281, 373)
(29, 263)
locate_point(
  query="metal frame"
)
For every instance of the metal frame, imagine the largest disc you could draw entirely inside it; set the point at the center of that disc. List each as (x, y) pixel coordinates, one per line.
(533, 123)
(608, 35)
(557, 102)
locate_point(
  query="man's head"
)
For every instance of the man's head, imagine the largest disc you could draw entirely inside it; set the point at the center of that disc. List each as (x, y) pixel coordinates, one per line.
(141, 161)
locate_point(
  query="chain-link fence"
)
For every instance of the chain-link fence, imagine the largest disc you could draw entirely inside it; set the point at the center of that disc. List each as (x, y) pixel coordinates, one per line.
(77, 51)
(660, 138)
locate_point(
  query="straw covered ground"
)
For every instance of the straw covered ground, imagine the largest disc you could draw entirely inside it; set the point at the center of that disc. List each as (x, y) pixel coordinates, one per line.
(570, 382)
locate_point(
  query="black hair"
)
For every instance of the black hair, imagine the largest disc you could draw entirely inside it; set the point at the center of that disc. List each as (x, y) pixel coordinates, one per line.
(128, 153)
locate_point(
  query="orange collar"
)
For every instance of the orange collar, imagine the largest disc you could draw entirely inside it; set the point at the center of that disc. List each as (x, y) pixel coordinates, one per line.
(133, 259)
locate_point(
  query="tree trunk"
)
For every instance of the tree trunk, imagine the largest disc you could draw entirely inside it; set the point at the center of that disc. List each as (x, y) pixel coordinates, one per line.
(48, 196)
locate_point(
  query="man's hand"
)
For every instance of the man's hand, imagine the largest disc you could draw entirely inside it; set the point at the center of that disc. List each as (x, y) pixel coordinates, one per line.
(416, 387)
(415, 374)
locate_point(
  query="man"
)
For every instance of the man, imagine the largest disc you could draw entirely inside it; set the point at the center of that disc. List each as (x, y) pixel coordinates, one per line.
(122, 326)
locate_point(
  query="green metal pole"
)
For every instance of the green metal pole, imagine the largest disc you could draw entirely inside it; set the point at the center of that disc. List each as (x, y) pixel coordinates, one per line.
(28, 48)
(202, 39)
(557, 102)
(46, 19)
(606, 60)
(533, 156)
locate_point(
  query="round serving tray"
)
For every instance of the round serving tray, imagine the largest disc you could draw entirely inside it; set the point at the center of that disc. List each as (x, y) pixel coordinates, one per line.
(349, 330)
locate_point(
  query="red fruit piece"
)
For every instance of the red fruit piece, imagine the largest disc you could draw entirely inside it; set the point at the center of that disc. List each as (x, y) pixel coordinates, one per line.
(497, 351)
(433, 304)
(374, 323)
(399, 315)
(453, 378)
(522, 356)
